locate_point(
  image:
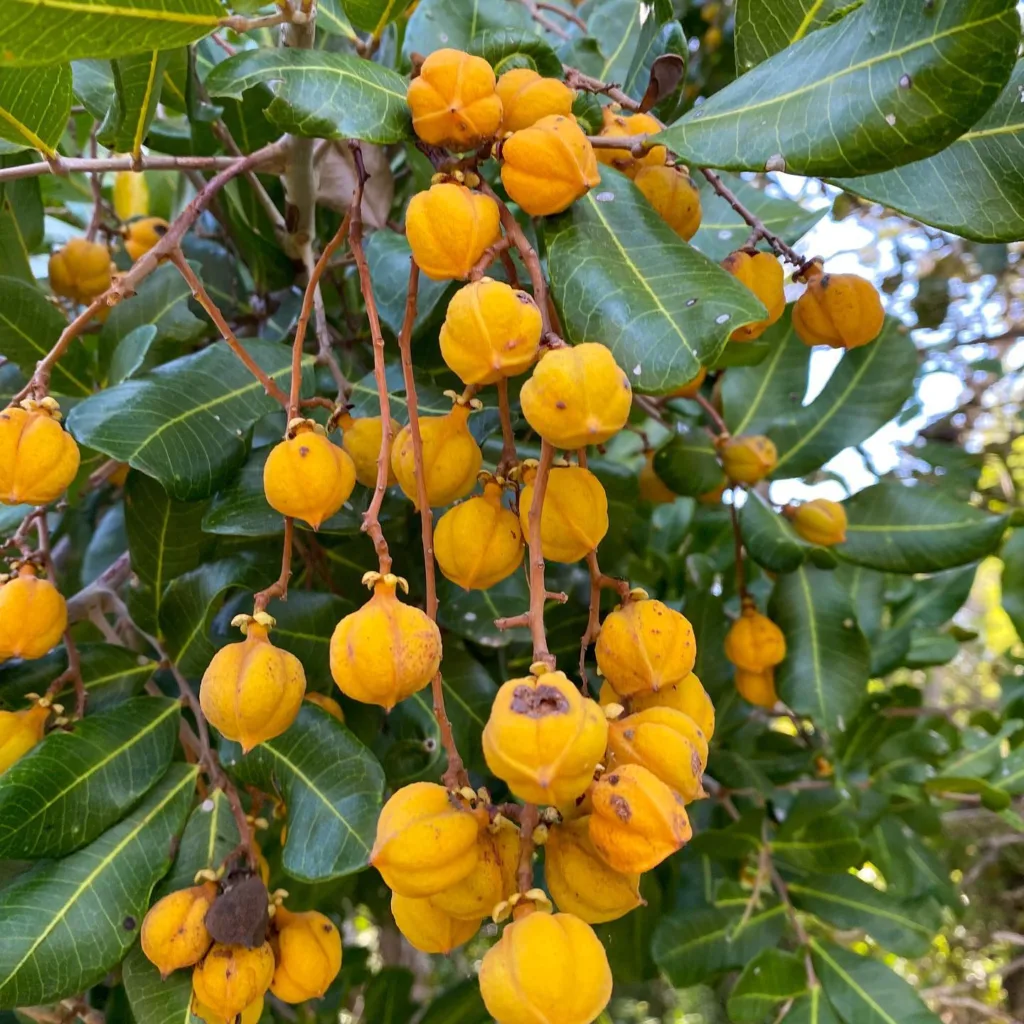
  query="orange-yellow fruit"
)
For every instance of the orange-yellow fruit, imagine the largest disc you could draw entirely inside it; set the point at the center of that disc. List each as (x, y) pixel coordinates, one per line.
(757, 687)
(329, 704)
(713, 497)
(478, 542)
(38, 457)
(429, 929)
(838, 310)
(80, 271)
(250, 1015)
(453, 101)
(361, 438)
(492, 880)
(748, 459)
(544, 738)
(307, 952)
(131, 195)
(652, 488)
(674, 196)
(616, 125)
(819, 521)
(762, 273)
(576, 396)
(546, 969)
(692, 388)
(636, 821)
(687, 696)
(306, 476)
(574, 517)
(754, 642)
(386, 651)
(142, 235)
(33, 616)
(451, 458)
(448, 228)
(526, 97)
(231, 978)
(174, 934)
(491, 331)
(545, 168)
(20, 731)
(252, 690)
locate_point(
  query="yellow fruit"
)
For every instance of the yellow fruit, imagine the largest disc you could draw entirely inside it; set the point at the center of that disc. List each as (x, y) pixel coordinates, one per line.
(131, 195)
(526, 98)
(713, 497)
(574, 518)
(20, 731)
(448, 228)
(546, 969)
(451, 458)
(386, 651)
(492, 880)
(838, 310)
(329, 704)
(576, 396)
(478, 542)
(748, 459)
(544, 738)
(428, 929)
(38, 457)
(820, 521)
(251, 690)
(580, 882)
(80, 271)
(545, 168)
(306, 476)
(692, 388)
(687, 696)
(762, 273)
(674, 196)
(307, 950)
(361, 438)
(33, 616)
(637, 821)
(250, 1015)
(490, 331)
(142, 235)
(174, 934)
(667, 743)
(231, 978)
(754, 642)
(426, 840)
(453, 101)
(616, 125)
(652, 488)
(645, 645)
(757, 687)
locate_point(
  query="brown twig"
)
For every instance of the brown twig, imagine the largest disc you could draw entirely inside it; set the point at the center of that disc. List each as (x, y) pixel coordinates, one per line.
(91, 165)
(563, 12)
(713, 414)
(522, 620)
(279, 588)
(528, 821)
(575, 79)
(537, 589)
(543, 20)
(741, 575)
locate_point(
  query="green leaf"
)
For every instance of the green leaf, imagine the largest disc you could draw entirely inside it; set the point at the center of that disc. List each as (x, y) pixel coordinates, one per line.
(331, 18)
(321, 94)
(67, 923)
(131, 352)
(764, 27)
(616, 26)
(620, 273)
(389, 257)
(40, 32)
(331, 785)
(305, 623)
(73, 785)
(688, 463)
(825, 671)
(813, 1008)
(826, 844)
(981, 751)
(373, 15)
(93, 85)
(21, 222)
(505, 50)
(865, 990)
(772, 977)
(891, 83)
(909, 867)
(893, 527)
(994, 798)
(461, 1004)
(185, 423)
(34, 106)
(455, 23)
(1013, 579)
(388, 996)
(138, 81)
(769, 539)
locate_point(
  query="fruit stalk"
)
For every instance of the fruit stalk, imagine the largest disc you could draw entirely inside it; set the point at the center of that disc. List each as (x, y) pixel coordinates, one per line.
(538, 591)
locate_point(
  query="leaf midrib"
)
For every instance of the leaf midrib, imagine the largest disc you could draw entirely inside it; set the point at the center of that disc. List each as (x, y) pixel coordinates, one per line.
(143, 14)
(828, 897)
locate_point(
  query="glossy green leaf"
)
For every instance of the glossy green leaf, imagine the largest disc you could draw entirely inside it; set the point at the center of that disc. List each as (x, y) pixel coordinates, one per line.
(616, 27)
(21, 221)
(321, 94)
(772, 977)
(769, 539)
(910, 868)
(505, 50)
(619, 273)
(373, 15)
(305, 623)
(389, 257)
(471, 614)
(331, 17)
(992, 798)
(1013, 579)
(69, 922)
(93, 85)
(130, 354)
(454, 23)
(827, 844)
(388, 996)
(893, 82)
(660, 34)
(764, 27)
(138, 81)
(688, 463)
(34, 105)
(461, 1004)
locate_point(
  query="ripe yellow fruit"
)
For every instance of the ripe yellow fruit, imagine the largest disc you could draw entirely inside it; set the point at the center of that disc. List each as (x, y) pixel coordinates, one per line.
(546, 967)
(453, 101)
(329, 704)
(748, 459)
(691, 388)
(645, 645)
(33, 615)
(478, 542)
(451, 458)
(838, 310)
(545, 168)
(306, 476)
(492, 880)
(580, 882)
(386, 651)
(687, 696)
(38, 457)
(448, 228)
(819, 521)
(174, 934)
(616, 125)
(131, 195)
(762, 273)
(544, 738)
(667, 743)
(652, 488)
(231, 978)
(526, 97)
(307, 950)
(20, 731)
(576, 396)
(251, 690)
(637, 821)
(754, 642)
(426, 840)
(429, 929)
(361, 438)
(80, 271)
(142, 235)
(250, 1015)
(674, 196)
(757, 687)
(490, 331)
(574, 517)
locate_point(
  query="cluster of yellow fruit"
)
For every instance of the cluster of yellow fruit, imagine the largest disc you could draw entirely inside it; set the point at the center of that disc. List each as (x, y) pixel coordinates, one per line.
(755, 645)
(296, 958)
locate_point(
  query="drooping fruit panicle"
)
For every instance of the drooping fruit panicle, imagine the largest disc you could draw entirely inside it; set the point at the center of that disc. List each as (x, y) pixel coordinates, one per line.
(621, 125)
(361, 438)
(688, 696)
(230, 978)
(762, 273)
(448, 227)
(38, 457)
(142, 235)
(20, 731)
(574, 516)
(526, 97)
(429, 929)
(748, 459)
(307, 953)
(754, 643)
(838, 310)
(80, 271)
(174, 934)
(674, 196)
(818, 521)
(33, 615)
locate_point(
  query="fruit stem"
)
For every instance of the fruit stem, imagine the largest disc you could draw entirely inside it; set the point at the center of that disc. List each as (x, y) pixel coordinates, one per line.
(528, 821)
(279, 588)
(713, 414)
(537, 589)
